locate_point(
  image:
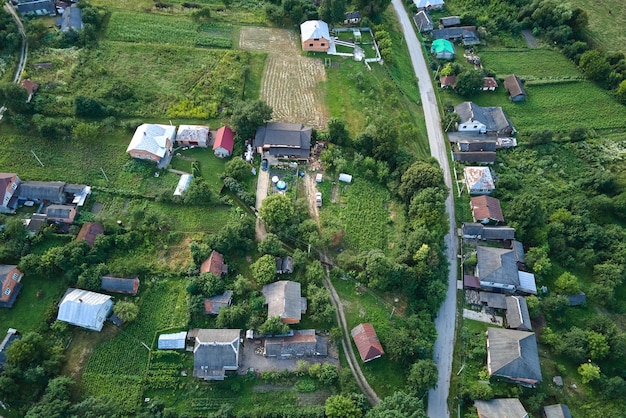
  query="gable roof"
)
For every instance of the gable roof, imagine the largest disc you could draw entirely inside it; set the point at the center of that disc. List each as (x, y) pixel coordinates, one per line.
(42, 190)
(281, 138)
(490, 82)
(84, 308)
(353, 15)
(10, 281)
(64, 213)
(214, 264)
(450, 21)
(442, 46)
(38, 8)
(423, 4)
(284, 299)
(497, 265)
(514, 86)
(5, 180)
(423, 21)
(367, 342)
(72, 19)
(479, 178)
(193, 133)
(486, 207)
(493, 118)
(174, 341)
(556, 411)
(314, 29)
(466, 33)
(493, 300)
(214, 352)
(213, 305)
(517, 316)
(466, 146)
(513, 354)
(501, 408)
(89, 231)
(301, 343)
(447, 80)
(224, 138)
(120, 285)
(152, 138)
(475, 157)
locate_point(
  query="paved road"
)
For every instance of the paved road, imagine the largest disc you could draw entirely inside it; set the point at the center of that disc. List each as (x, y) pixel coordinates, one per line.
(445, 321)
(24, 52)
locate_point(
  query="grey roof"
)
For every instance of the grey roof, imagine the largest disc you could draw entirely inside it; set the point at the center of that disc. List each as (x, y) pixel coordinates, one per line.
(423, 22)
(518, 249)
(38, 8)
(301, 343)
(490, 233)
(213, 305)
(475, 157)
(556, 411)
(493, 300)
(501, 408)
(284, 139)
(120, 285)
(517, 316)
(84, 308)
(283, 299)
(215, 351)
(72, 19)
(450, 21)
(472, 229)
(284, 265)
(11, 336)
(497, 265)
(61, 212)
(467, 33)
(174, 341)
(353, 15)
(577, 300)
(513, 355)
(477, 146)
(492, 117)
(42, 190)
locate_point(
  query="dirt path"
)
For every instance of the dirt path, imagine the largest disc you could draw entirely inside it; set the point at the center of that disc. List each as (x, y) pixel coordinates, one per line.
(23, 53)
(290, 81)
(361, 381)
(262, 185)
(530, 39)
(311, 189)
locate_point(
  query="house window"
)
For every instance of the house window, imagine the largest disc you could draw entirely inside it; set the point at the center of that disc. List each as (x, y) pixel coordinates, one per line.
(316, 39)
(310, 44)
(464, 126)
(475, 126)
(14, 186)
(323, 44)
(15, 276)
(7, 292)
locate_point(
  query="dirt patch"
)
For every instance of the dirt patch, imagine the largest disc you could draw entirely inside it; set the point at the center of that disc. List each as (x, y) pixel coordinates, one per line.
(334, 196)
(178, 255)
(311, 189)
(290, 80)
(96, 208)
(81, 347)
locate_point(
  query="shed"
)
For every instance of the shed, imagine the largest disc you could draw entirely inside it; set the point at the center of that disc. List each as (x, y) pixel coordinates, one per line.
(213, 305)
(31, 88)
(84, 308)
(346, 178)
(423, 22)
(556, 411)
(486, 157)
(367, 342)
(183, 184)
(61, 213)
(37, 8)
(500, 408)
(517, 316)
(493, 300)
(489, 84)
(129, 286)
(577, 300)
(214, 264)
(352, 18)
(515, 87)
(429, 4)
(52, 191)
(172, 341)
(303, 343)
(89, 231)
(447, 81)
(449, 21)
(224, 142)
(193, 136)
(443, 49)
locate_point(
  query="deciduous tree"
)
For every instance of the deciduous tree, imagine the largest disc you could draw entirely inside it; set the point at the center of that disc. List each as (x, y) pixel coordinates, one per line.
(248, 116)
(127, 311)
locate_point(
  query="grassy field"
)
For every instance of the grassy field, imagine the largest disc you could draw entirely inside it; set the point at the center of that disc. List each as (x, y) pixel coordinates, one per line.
(529, 64)
(606, 23)
(162, 29)
(123, 360)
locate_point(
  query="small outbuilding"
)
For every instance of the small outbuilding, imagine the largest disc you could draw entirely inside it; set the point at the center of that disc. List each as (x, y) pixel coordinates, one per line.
(213, 305)
(224, 142)
(352, 18)
(183, 184)
(128, 286)
(174, 341)
(85, 309)
(515, 87)
(367, 342)
(214, 264)
(61, 213)
(346, 178)
(449, 21)
(302, 343)
(423, 22)
(89, 231)
(556, 411)
(500, 408)
(489, 84)
(193, 136)
(443, 49)
(479, 180)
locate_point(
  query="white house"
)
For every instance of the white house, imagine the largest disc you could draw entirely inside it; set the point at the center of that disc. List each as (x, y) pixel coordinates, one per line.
(429, 4)
(85, 309)
(479, 180)
(315, 36)
(152, 142)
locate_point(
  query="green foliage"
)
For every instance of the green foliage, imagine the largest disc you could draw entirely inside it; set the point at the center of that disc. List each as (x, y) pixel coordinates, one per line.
(419, 175)
(199, 193)
(589, 372)
(422, 376)
(236, 235)
(248, 116)
(479, 390)
(533, 306)
(238, 169)
(468, 83)
(338, 133)
(274, 326)
(621, 92)
(277, 212)
(127, 311)
(332, 11)
(319, 307)
(13, 96)
(271, 245)
(339, 406)
(398, 405)
(238, 188)
(567, 284)
(90, 107)
(264, 269)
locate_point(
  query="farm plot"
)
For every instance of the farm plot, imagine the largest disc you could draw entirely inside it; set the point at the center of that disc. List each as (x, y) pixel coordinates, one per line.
(530, 64)
(161, 29)
(291, 82)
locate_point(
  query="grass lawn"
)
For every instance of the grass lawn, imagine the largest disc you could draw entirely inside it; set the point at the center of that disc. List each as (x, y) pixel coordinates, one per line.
(383, 375)
(529, 64)
(606, 23)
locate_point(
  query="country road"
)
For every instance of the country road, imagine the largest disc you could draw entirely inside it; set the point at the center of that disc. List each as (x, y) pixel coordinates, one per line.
(23, 53)
(445, 321)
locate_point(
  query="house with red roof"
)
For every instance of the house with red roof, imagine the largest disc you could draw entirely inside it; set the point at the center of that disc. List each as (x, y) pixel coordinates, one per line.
(10, 278)
(9, 182)
(89, 231)
(214, 264)
(367, 342)
(224, 142)
(486, 210)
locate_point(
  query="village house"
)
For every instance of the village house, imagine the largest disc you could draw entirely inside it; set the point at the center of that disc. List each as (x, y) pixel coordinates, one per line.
(429, 4)
(500, 408)
(443, 49)
(497, 270)
(284, 299)
(513, 356)
(515, 87)
(10, 284)
(9, 182)
(466, 34)
(556, 411)
(193, 136)
(367, 342)
(423, 22)
(89, 232)
(479, 180)
(129, 286)
(35, 7)
(214, 264)
(213, 305)
(486, 210)
(315, 36)
(224, 142)
(352, 18)
(153, 143)
(447, 81)
(61, 213)
(484, 120)
(85, 309)
(284, 140)
(302, 343)
(517, 315)
(215, 351)
(72, 19)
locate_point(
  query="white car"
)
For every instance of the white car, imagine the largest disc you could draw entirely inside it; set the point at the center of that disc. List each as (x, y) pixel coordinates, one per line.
(318, 199)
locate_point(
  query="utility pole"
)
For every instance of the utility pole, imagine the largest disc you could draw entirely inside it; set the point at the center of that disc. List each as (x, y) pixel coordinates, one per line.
(104, 174)
(37, 158)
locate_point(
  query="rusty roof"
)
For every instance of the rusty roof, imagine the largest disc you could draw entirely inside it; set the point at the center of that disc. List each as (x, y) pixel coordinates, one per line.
(367, 342)
(486, 207)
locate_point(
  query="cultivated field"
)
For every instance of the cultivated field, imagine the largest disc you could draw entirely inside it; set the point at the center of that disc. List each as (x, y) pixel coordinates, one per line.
(291, 82)
(529, 63)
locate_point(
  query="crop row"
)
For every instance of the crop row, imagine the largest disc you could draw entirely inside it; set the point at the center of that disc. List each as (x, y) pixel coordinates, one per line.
(538, 63)
(125, 391)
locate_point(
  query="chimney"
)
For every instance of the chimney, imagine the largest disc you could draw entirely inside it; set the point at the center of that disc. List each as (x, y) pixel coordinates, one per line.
(80, 300)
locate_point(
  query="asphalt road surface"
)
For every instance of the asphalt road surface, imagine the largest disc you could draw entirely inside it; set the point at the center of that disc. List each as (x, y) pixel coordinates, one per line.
(445, 321)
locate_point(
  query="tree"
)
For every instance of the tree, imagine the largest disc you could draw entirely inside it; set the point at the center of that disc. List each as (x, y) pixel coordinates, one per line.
(242, 286)
(277, 212)
(478, 390)
(274, 326)
(55, 401)
(13, 96)
(248, 116)
(540, 137)
(595, 65)
(419, 175)
(84, 131)
(398, 405)
(567, 284)
(89, 107)
(338, 133)
(339, 406)
(534, 308)
(423, 376)
(372, 8)
(271, 245)
(621, 92)
(328, 374)
(238, 169)
(264, 269)
(598, 345)
(126, 311)
(198, 193)
(589, 372)
(468, 83)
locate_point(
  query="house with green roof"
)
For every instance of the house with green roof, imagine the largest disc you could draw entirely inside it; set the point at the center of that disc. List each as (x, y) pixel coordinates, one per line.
(443, 49)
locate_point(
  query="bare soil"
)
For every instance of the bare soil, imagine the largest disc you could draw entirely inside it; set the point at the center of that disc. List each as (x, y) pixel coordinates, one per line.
(311, 189)
(79, 350)
(290, 81)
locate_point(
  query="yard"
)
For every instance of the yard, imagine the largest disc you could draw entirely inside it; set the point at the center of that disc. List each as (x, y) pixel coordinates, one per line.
(606, 22)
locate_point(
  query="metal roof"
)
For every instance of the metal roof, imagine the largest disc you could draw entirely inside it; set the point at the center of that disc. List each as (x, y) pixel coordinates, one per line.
(152, 138)
(84, 308)
(172, 341)
(314, 29)
(517, 316)
(284, 299)
(501, 408)
(367, 342)
(120, 285)
(497, 265)
(486, 208)
(514, 355)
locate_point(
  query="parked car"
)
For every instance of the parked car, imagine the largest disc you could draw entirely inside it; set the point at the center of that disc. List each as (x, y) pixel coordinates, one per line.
(264, 165)
(318, 199)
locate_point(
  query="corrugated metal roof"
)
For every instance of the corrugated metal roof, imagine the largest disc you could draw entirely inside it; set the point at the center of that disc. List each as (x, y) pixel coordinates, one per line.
(152, 138)
(84, 308)
(527, 282)
(172, 341)
(183, 184)
(367, 342)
